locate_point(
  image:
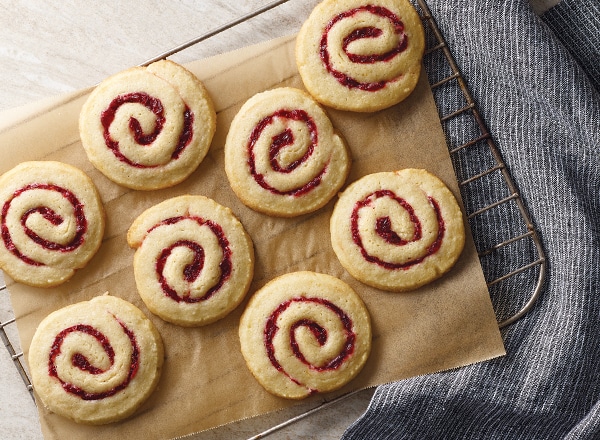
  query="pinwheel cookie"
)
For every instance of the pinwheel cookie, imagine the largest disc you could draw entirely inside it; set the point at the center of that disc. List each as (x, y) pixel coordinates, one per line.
(305, 333)
(398, 230)
(282, 154)
(193, 262)
(52, 222)
(361, 56)
(96, 361)
(148, 127)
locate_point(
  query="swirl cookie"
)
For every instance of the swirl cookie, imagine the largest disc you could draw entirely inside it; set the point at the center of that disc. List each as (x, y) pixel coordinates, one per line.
(305, 333)
(360, 56)
(148, 127)
(283, 156)
(193, 262)
(96, 361)
(397, 230)
(52, 222)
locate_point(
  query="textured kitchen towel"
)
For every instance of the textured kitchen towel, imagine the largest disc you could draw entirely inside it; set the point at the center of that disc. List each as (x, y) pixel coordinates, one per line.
(536, 81)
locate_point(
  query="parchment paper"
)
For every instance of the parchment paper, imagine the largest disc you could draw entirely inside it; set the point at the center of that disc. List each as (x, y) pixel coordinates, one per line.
(205, 383)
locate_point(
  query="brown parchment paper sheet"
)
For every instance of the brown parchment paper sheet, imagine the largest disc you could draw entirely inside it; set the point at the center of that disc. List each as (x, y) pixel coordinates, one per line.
(205, 383)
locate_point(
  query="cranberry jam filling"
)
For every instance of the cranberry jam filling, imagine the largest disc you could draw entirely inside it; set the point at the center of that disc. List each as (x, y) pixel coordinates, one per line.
(78, 360)
(51, 216)
(156, 107)
(193, 270)
(280, 141)
(316, 329)
(360, 33)
(383, 228)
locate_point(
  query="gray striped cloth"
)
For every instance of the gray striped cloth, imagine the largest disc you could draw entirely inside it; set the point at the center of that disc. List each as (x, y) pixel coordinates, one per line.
(536, 81)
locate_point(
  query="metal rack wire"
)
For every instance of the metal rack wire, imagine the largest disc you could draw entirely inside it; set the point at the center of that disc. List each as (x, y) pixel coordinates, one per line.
(12, 346)
(534, 268)
(525, 233)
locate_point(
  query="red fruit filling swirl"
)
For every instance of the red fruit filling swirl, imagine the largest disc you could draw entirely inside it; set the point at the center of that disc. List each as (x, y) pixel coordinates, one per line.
(193, 270)
(156, 107)
(80, 361)
(278, 143)
(51, 216)
(383, 228)
(360, 33)
(316, 329)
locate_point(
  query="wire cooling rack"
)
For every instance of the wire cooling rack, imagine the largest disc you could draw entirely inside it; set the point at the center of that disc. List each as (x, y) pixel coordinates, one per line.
(490, 178)
(480, 170)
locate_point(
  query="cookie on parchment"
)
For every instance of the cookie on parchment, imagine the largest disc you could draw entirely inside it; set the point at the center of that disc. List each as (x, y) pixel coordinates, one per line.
(361, 56)
(194, 261)
(305, 333)
(398, 230)
(52, 222)
(96, 361)
(283, 157)
(148, 127)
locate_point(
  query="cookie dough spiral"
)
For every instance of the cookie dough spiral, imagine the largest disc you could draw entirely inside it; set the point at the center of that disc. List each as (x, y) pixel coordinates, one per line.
(305, 333)
(51, 222)
(360, 56)
(193, 262)
(97, 361)
(148, 127)
(397, 230)
(282, 155)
